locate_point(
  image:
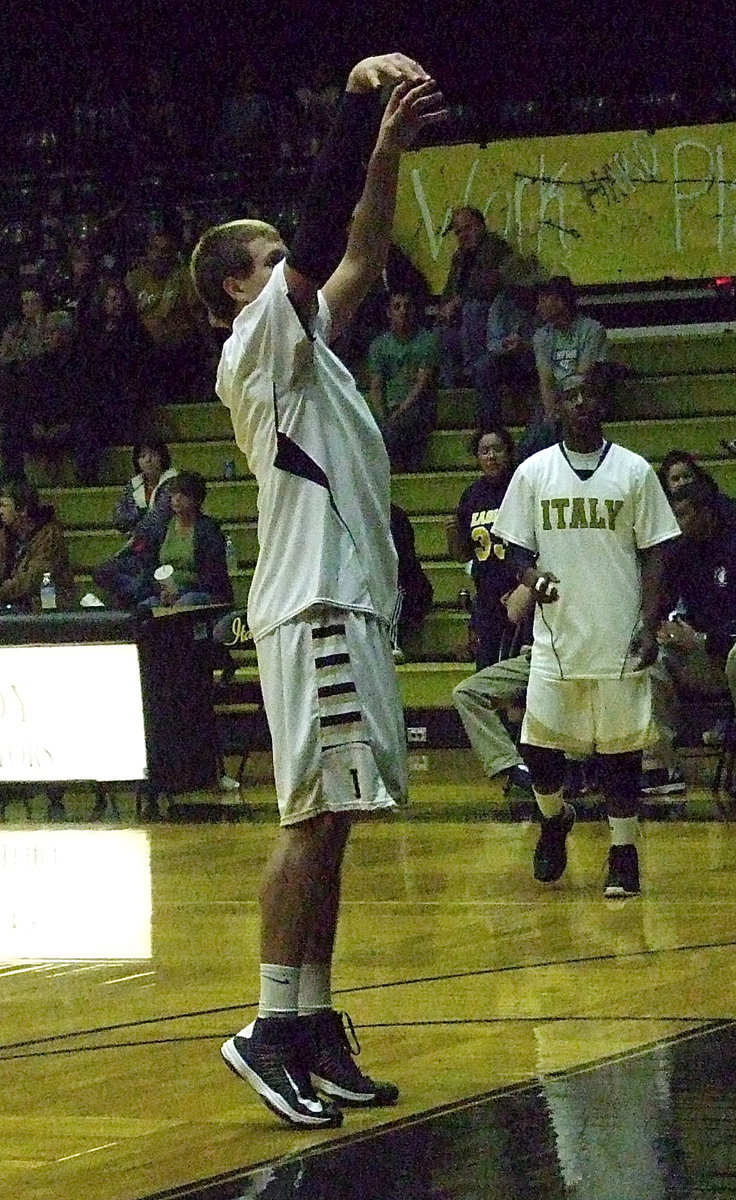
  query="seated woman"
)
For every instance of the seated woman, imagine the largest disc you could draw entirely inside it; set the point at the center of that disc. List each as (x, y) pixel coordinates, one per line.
(143, 512)
(31, 545)
(470, 537)
(679, 467)
(194, 548)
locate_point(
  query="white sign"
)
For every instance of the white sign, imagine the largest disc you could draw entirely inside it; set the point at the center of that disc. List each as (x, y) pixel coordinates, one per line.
(71, 712)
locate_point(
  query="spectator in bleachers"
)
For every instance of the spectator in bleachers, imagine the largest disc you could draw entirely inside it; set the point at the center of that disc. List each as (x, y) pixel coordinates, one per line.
(32, 399)
(472, 284)
(698, 640)
(174, 318)
(399, 275)
(246, 122)
(566, 346)
(317, 101)
(680, 466)
(415, 590)
(77, 289)
(508, 356)
(470, 539)
(403, 375)
(194, 548)
(161, 121)
(31, 545)
(143, 513)
(110, 365)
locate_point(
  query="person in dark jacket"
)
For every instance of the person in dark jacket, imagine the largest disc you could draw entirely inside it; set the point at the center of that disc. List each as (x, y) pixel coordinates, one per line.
(698, 639)
(470, 538)
(193, 550)
(31, 546)
(143, 513)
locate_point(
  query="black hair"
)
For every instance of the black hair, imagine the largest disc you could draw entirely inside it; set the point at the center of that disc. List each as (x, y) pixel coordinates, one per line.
(24, 496)
(504, 436)
(683, 456)
(561, 286)
(192, 484)
(698, 492)
(474, 212)
(158, 446)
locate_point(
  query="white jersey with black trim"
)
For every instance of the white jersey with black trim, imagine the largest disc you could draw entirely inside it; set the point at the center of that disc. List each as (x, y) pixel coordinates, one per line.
(318, 456)
(587, 532)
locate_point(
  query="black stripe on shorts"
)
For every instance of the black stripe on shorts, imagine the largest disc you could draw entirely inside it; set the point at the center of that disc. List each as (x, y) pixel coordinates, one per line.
(326, 631)
(331, 660)
(335, 689)
(348, 718)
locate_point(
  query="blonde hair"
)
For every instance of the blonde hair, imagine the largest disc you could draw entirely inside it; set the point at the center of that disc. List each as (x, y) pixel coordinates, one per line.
(222, 251)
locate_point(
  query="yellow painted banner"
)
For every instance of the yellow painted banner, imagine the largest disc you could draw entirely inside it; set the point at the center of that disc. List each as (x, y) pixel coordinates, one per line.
(600, 207)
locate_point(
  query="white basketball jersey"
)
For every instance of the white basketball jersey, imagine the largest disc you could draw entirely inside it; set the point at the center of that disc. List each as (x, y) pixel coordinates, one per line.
(586, 532)
(320, 462)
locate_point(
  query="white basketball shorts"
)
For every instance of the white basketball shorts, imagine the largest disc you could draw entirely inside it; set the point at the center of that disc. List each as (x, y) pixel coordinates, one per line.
(336, 720)
(579, 716)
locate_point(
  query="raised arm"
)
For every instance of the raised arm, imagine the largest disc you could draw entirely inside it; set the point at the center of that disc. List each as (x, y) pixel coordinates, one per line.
(339, 175)
(410, 107)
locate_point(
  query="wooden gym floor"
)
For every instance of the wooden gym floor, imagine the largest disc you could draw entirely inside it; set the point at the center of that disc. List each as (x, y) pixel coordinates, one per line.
(548, 1043)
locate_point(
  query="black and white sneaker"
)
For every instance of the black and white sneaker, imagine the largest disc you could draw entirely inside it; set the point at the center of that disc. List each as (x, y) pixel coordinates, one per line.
(550, 853)
(271, 1055)
(332, 1064)
(661, 781)
(623, 873)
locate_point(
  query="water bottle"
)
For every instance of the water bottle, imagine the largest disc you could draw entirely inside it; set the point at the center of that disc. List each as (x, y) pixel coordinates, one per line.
(230, 555)
(48, 593)
(228, 470)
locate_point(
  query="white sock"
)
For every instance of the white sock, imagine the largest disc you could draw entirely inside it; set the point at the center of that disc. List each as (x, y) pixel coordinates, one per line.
(623, 830)
(550, 804)
(279, 990)
(315, 988)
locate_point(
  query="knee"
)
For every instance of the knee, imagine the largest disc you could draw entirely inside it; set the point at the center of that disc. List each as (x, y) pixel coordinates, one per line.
(546, 767)
(621, 782)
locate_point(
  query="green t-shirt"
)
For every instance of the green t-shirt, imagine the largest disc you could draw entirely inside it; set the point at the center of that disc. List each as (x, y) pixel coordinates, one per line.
(397, 362)
(178, 550)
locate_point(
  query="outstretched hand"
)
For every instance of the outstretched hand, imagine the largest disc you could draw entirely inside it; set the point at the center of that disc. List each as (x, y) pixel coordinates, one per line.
(384, 69)
(411, 108)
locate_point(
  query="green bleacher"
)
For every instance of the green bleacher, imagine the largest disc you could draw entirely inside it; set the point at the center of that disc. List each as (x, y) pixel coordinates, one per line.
(680, 391)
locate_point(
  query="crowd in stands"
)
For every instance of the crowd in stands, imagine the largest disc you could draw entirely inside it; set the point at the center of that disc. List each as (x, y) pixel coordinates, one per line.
(106, 329)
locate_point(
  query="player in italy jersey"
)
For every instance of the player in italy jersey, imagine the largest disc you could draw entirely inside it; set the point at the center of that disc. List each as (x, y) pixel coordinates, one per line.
(324, 589)
(589, 520)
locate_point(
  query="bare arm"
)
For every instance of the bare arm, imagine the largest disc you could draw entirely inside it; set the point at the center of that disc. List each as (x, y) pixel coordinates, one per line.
(409, 108)
(547, 390)
(651, 562)
(423, 379)
(338, 177)
(375, 394)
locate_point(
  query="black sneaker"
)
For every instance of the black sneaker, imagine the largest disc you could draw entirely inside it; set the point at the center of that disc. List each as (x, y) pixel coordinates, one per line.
(623, 872)
(550, 853)
(518, 777)
(332, 1064)
(270, 1055)
(661, 781)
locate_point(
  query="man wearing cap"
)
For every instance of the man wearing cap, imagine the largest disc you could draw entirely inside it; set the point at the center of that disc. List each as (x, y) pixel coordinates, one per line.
(589, 519)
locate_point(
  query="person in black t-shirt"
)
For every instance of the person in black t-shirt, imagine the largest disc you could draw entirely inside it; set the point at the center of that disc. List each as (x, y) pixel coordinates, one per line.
(470, 537)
